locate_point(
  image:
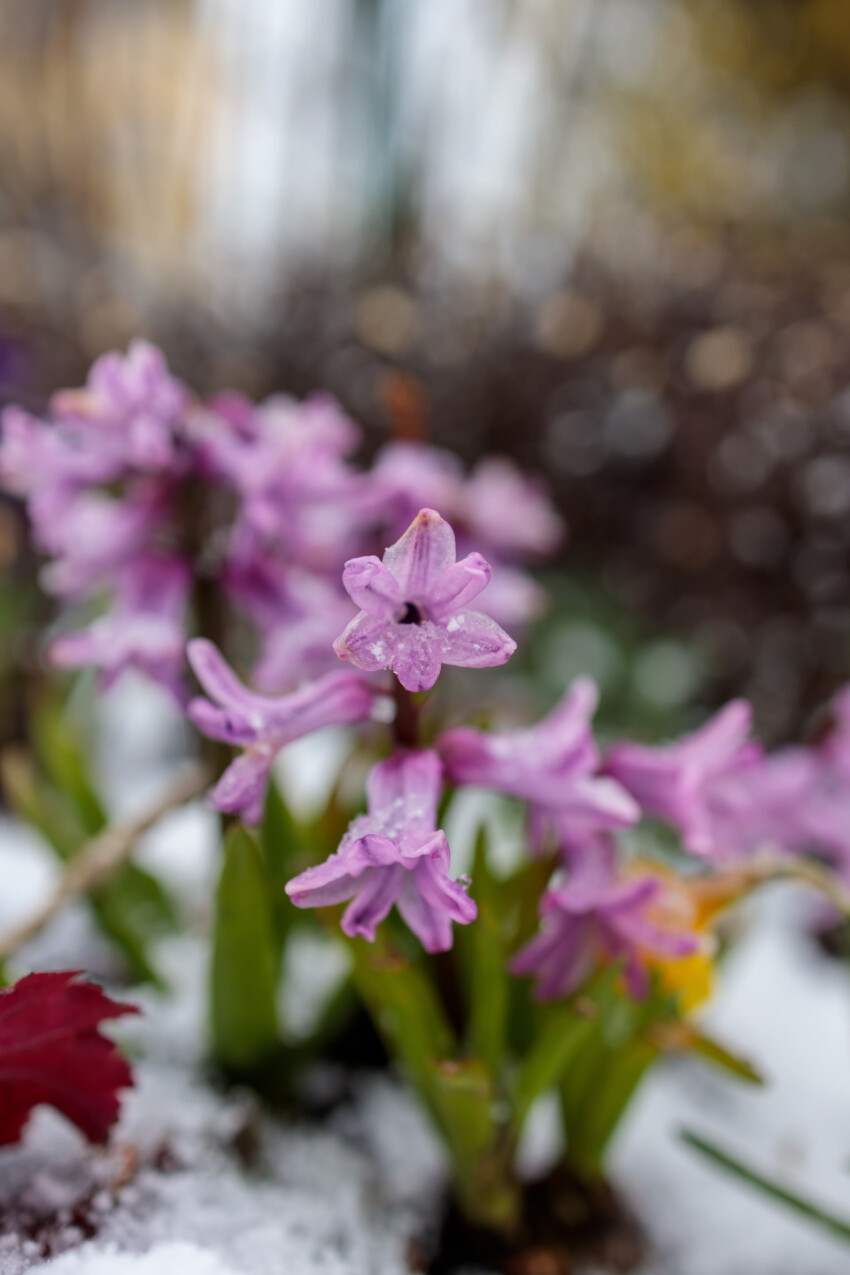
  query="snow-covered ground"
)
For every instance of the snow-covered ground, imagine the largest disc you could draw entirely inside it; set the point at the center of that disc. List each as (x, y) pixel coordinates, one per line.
(203, 1183)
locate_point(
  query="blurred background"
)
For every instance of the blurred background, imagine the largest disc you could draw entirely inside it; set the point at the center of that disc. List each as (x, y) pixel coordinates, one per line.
(610, 238)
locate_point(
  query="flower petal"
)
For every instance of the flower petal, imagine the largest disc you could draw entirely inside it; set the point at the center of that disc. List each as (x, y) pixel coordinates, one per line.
(430, 924)
(417, 654)
(423, 553)
(367, 643)
(242, 788)
(409, 783)
(473, 640)
(219, 681)
(438, 889)
(378, 892)
(372, 587)
(457, 586)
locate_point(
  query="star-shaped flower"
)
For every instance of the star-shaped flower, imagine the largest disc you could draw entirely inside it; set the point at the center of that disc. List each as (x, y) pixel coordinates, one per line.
(264, 724)
(393, 855)
(690, 781)
(554, 766)
(595, 915)
(412, 616)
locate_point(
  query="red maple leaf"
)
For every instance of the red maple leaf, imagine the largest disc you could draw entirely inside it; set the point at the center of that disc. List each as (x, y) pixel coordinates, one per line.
(51, 1051)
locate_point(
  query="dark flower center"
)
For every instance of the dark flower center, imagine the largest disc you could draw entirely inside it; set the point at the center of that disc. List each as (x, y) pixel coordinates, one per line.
(409, 614)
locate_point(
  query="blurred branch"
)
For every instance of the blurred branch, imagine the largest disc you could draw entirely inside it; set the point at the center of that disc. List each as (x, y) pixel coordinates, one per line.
(99, 860)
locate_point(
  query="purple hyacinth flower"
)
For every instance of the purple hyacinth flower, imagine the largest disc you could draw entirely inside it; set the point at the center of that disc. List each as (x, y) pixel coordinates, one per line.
(262, 724)
(393, 855)
(145, 630)
(681, 782)
(411, 476)
(553, 766)
(412, 618)
(533, 529)
(594, 916)
(94, 538)
(298, 615)
(130, 409)
(297, 490)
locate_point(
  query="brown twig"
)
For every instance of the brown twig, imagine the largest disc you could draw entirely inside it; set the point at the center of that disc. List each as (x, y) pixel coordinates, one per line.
(99, 860)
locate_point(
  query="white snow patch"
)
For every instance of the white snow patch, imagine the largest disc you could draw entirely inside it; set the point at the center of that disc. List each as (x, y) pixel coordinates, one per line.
(162, 1259)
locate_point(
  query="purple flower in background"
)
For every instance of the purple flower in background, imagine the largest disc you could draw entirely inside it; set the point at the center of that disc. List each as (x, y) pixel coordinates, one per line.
(94, 537)
(413, 476)
(298, 615)
(531, 529)
(130, 409)
(412, 618)
(595, 916)
(145, 630)
(835, 748)
(553, 766)
(393, 855)
(296, 489)
(684, 782)
(513, 597)
(262, 724)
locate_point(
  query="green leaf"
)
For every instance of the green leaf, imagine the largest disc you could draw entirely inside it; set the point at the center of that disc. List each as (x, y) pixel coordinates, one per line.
(488, 988)
(808, 1208)
(405, 1008)
(463, 1098)
(280, 839)
(597, 1089)
(561, 1036)
(618, 1074)
(244, 960)
(63, 761)
(40, 804)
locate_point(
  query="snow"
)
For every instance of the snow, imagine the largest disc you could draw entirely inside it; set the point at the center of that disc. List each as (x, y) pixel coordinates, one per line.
(162, 1259)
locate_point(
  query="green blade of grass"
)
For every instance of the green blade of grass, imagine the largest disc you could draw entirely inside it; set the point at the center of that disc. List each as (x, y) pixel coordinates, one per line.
(799, 1204)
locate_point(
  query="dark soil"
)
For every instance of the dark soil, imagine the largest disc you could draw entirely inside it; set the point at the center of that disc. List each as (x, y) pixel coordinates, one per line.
(568, 1226)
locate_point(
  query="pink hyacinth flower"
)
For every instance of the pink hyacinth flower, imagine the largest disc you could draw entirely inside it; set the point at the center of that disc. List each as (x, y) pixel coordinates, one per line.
(412, 616)
(595, 916)
(553, 766)
(393, 856)
(533, 528)
(682, 782)
(145, 630)
(130, 409)
(262, 725)
(94, 538)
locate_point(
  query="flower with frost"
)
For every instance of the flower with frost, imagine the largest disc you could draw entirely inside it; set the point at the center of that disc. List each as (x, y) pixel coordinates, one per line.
(594, 916)
(553, 766)
(393, 855)
(144, 630)
(412, 616)
(686, 782)
(262, 725)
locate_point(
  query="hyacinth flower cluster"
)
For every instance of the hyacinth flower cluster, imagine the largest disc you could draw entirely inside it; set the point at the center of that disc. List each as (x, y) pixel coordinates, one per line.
(168, 523)
(163, 517)
(580, 967)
